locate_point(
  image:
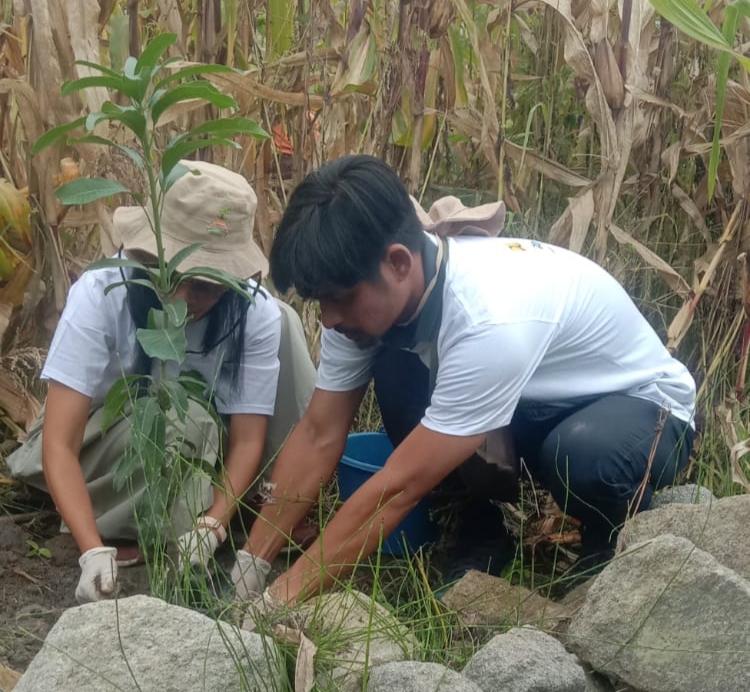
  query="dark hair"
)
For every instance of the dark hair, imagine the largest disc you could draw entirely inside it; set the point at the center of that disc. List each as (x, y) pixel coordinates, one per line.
(338, 224)
(226, 322)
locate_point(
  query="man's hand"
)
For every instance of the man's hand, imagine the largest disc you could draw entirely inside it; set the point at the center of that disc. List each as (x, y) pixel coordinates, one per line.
(98, 575)
(249, 576)
(197, 547)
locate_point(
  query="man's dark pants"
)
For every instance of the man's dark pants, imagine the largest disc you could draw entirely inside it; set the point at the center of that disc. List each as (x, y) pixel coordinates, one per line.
(593, 455)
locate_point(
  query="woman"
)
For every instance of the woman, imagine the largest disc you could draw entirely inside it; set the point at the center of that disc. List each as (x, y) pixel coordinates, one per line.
(243, 351)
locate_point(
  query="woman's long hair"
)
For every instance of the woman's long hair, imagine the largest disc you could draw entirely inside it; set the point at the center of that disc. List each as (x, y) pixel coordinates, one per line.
(226, 323)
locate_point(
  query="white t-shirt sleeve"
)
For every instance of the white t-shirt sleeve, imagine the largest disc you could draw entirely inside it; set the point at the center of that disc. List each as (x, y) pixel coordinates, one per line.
(482, 374)
(255, 391)
(344, 366)
(83, 344)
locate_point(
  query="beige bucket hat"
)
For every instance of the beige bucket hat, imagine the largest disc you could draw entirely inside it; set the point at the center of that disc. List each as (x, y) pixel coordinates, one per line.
(449, 216)
(209, 205)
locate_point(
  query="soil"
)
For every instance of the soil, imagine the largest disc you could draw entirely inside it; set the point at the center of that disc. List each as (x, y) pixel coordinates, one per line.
(36, 589)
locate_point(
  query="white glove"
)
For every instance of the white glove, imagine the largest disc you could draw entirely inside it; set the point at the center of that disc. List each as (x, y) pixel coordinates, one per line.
(249, 575)
(98, 575)
(196, 547)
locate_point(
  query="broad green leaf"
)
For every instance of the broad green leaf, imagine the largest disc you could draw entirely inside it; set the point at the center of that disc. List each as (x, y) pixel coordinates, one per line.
(139, 282)
(176, 312)
(180, 256)
(154, 51)
(194, 384)
(157, 319)
(51, 136)
(279, 27)
(219, 276)
(164, 344)
(131, 153)
(173, 154)
(124, 468)
(457, 47)
(93, 119)
(178, 397)
(119, 41)
(153, 511)
(167, 178)
(204, 466)
(190, 72)
(110, 262)
(130, 116)
(731, 22)
(689, 18)
(185, 92)
(226, 127)
(120, 394)
(99, 68)
(128, 69)
(85, 190)
(76, 85)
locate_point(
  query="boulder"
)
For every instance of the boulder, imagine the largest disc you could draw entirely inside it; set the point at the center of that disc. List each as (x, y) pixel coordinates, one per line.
(413, 676)
(352, 633)
(480, 599)
(667, 617)
(719, 528)
(690, 494)
(144, 644)
(526, 660)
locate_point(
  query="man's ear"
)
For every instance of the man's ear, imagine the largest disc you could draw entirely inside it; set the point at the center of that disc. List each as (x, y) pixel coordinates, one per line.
(399, 260)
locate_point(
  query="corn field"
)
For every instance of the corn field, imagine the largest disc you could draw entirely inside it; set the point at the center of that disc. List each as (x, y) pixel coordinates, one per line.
(593, 120)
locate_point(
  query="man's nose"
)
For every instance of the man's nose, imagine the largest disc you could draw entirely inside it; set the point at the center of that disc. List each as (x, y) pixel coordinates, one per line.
(329, 316)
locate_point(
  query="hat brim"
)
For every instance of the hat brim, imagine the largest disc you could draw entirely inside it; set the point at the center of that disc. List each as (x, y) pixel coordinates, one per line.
(448, 216)
(134, 224)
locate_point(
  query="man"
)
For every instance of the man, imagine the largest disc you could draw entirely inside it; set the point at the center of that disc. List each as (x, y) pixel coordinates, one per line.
(515, 336)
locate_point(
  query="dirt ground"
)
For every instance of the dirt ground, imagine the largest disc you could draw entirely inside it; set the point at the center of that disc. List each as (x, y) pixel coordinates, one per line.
(35, 590)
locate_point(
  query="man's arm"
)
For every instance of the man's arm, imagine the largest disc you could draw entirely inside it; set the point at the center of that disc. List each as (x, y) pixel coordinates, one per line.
(416, 466)
(247, 434)
(65, 417)
(305, 463)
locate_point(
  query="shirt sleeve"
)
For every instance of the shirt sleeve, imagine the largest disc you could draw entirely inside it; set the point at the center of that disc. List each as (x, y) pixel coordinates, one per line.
(83, 343)
(482, 374)
(344, 365)
(255, 391)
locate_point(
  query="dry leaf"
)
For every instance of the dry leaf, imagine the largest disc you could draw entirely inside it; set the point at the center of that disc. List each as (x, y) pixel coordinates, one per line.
(728, 417)
(304, 669)
(692, 211)
(679, 326)
(571, 228)
(668, 273)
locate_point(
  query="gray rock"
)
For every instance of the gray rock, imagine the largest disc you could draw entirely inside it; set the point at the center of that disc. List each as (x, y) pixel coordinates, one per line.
(719, 528)
(412, 676)
(690, 494)
(108, 646)
(480, 599)
(525, 660)
(667, 617)
(352, 633)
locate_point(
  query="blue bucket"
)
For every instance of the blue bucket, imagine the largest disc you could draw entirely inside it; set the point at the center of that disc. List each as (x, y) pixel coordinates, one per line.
(364, 455)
